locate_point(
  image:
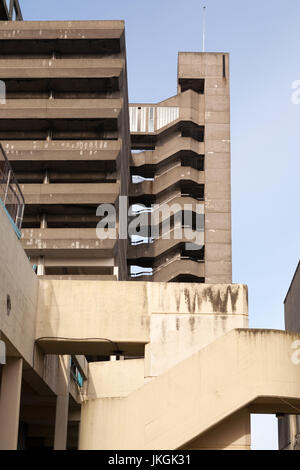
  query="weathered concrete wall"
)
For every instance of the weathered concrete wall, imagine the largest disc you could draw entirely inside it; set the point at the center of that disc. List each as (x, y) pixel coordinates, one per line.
(200, 110)
(233, 433)
(73, 314)
(217, 158)
(19, 282)
(115, 379)
(95, 317)
(212, 311)
(242, 368)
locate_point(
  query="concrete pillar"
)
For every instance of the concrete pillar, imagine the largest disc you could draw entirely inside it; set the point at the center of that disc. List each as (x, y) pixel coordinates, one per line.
(62, 403)
(10, 397)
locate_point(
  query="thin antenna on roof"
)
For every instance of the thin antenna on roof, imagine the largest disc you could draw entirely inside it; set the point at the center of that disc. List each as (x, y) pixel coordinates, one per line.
(204, 29)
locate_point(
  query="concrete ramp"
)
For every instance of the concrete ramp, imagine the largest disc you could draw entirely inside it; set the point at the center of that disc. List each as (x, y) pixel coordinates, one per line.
(244, 369)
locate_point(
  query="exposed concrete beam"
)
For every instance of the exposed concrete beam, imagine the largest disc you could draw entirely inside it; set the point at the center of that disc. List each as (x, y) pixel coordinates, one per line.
(72, 193)
(81, 241)
(63, 30)
(70, 150)
(61, 109)
(72, 68)
(88, 318)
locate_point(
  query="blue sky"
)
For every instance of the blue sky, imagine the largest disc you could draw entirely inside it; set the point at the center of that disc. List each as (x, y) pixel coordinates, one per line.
(263, 39)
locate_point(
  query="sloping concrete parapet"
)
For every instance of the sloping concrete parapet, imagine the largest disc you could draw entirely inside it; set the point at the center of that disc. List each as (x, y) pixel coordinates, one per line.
(187, 106)
(242, 368)
(166, 180)
(160, 245)
(166, 150)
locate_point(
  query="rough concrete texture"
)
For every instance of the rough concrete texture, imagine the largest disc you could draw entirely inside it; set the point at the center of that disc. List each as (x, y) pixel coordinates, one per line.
(241, 369)
(195, 122)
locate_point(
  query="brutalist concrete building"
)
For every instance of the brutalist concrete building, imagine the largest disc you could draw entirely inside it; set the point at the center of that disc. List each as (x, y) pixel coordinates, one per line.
(183, 145)
(289, 426)
(64, 129)
(93, 355)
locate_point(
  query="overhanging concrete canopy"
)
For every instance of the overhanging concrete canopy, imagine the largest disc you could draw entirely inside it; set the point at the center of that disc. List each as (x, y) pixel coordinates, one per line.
(102, 317)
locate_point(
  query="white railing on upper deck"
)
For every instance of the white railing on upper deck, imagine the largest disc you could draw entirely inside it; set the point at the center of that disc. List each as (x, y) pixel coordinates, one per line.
(151, 118)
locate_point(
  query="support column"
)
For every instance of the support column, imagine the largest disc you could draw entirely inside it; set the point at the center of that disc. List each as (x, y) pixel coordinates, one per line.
(10, 397)
(62, 403)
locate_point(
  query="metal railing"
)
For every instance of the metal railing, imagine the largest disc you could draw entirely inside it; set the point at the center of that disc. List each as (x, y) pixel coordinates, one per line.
(11, 197)
(141, 273)
(151, 118)
(144, 241)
